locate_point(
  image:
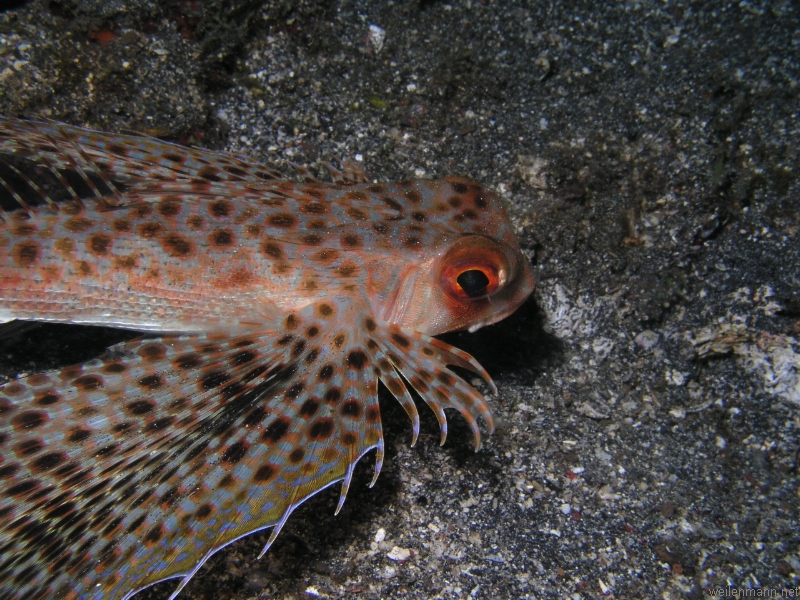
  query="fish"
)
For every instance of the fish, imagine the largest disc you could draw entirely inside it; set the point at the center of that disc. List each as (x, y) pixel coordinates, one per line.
(269, 309)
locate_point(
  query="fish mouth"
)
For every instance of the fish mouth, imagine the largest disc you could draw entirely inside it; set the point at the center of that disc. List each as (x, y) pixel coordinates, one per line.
(496, 317)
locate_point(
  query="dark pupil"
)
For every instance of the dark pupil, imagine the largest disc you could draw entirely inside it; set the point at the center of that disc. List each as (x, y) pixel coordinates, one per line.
(473, 282)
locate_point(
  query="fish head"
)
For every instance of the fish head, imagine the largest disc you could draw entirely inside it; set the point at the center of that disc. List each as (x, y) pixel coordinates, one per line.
(466, 271)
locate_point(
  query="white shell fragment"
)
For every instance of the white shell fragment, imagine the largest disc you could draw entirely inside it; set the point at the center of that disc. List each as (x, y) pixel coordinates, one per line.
(375, 38)
(399, 554)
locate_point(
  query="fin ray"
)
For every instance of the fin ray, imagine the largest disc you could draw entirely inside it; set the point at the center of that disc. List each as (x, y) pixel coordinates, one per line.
(145, 462)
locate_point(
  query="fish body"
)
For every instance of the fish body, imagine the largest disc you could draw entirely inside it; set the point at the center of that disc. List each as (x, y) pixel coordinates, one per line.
(272, 309)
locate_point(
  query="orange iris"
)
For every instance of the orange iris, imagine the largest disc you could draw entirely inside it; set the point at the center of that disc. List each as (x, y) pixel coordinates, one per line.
(473, 268)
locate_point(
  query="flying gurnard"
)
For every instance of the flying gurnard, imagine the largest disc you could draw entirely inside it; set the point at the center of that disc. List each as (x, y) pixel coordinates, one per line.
(270, 309)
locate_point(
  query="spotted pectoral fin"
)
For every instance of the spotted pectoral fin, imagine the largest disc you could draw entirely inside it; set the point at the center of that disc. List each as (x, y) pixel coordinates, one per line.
(312, 433)
(91, 457)
(137, 467)
(422, 361)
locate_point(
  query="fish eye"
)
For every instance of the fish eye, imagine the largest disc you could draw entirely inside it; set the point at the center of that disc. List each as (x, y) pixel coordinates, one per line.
(474, 282)
(474, 268)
